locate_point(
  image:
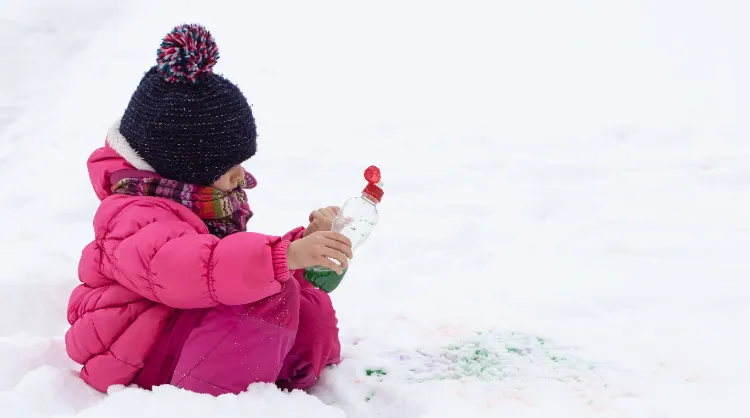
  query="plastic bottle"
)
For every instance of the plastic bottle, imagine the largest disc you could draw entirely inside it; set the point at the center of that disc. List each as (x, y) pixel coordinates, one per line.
(357, 218)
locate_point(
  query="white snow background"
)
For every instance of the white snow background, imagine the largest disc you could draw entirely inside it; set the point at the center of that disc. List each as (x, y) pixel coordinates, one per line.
(565, 227)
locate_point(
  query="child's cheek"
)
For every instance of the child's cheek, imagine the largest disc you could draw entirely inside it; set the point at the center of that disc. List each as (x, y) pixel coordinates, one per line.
(221, 185)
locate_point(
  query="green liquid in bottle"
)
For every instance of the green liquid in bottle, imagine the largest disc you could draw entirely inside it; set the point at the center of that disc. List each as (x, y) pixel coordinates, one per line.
(323, 278)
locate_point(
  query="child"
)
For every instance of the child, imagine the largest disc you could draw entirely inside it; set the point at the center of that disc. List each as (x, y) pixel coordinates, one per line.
(174, 291)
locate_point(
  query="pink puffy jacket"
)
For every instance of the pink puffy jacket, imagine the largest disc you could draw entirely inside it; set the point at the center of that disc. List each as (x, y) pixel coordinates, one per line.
(151, 255)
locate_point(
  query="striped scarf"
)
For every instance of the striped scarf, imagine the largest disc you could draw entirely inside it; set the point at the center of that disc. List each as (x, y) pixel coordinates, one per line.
(223, 213)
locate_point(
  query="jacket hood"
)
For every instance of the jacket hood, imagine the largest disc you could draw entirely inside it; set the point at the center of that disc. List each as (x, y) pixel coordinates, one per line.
(116, 155)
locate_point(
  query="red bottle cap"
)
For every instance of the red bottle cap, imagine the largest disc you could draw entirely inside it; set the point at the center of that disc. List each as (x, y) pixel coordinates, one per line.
(372, 174)
(373, 188)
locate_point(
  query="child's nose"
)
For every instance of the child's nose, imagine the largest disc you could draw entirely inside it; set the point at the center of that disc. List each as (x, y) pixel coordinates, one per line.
(238, 175)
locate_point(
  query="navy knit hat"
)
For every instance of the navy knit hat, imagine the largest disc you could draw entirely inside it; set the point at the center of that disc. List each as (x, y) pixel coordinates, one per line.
(185, 122)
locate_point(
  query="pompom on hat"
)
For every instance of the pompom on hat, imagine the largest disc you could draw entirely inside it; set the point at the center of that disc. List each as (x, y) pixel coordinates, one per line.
(184, 121)
(185, 53)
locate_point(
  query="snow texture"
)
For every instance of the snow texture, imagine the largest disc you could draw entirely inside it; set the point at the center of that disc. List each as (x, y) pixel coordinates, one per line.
(565, 225)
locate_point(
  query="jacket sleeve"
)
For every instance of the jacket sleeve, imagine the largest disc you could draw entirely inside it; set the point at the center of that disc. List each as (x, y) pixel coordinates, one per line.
(170, 263)
(298, 275)
(294, 234)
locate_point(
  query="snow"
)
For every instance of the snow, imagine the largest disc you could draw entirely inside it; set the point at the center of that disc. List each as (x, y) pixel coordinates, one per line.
(564, 230)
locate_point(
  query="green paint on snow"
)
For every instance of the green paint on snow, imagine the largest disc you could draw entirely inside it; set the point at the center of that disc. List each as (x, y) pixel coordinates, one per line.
(495, 355)
(513, 350)
(376, 372)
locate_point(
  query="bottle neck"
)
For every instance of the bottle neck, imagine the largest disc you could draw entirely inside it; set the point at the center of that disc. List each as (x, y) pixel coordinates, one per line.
(369, 198)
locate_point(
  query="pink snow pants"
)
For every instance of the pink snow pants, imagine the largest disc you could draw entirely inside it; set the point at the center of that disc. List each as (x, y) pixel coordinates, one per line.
(287, 339)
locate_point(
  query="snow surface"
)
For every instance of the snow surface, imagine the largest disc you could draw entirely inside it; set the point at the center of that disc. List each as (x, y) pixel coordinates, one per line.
(565, 227)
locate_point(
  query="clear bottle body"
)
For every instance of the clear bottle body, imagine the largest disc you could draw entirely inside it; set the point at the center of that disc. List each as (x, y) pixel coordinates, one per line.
(355, 220)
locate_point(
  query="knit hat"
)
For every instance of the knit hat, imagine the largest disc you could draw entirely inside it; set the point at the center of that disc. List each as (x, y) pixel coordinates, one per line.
(183, 121)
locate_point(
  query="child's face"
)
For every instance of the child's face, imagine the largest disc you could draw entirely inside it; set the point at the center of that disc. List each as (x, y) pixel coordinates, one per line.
(231, 179)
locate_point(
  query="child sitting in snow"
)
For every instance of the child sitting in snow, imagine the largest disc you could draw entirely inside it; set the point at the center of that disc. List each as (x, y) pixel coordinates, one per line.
(174, 291)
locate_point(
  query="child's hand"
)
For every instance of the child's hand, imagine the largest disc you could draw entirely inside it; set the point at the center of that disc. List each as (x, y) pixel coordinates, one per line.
(314, 250)
(321, 220)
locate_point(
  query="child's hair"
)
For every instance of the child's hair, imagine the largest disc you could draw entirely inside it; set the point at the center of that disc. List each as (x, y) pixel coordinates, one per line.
(184, 121)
